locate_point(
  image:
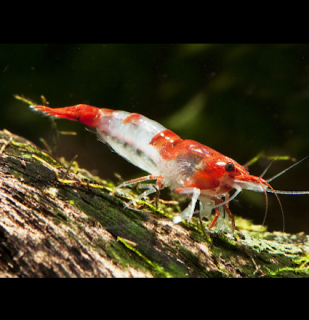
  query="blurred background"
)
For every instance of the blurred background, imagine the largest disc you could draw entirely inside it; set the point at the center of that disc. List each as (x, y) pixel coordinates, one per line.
(238, 99)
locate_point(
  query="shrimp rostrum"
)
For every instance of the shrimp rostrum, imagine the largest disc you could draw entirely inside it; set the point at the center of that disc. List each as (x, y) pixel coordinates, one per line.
(187, 167)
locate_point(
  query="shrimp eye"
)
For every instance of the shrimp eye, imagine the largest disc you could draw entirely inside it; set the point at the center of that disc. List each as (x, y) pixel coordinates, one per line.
(229, 166)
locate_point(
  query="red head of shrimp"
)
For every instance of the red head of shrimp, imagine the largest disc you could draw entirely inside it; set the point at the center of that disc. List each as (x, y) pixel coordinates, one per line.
(212, 175)
(194, 169)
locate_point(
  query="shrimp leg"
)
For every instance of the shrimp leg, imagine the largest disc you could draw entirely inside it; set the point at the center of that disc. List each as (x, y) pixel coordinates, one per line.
(150, 187)
(188, 212)
(217, 213)
(141, 179)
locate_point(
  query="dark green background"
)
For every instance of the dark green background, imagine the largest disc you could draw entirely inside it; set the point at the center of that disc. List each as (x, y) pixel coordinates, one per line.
(238, 99)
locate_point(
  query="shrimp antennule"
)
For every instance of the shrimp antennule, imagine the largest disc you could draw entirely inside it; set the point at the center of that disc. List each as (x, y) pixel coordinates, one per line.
(285, 170)
(271, 190)
(266, 169)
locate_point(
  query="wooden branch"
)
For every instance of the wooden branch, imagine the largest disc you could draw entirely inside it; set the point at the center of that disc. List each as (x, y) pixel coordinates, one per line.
(52, 226)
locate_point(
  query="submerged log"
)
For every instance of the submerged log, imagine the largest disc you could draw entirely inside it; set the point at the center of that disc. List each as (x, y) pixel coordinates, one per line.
(55, 223)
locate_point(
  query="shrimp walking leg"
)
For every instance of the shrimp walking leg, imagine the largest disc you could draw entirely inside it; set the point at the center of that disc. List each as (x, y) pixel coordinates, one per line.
(226, 208)
(217, 214)
(188, 212)
(151, 188)
(141, 179)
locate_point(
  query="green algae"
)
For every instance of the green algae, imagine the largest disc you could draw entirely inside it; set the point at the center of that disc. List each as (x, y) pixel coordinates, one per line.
(252, 252)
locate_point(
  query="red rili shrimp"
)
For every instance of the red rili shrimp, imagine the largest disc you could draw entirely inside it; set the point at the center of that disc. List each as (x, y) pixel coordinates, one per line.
(187, 167)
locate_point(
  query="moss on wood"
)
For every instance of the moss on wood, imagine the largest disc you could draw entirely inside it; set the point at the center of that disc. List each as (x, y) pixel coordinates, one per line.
(52, 225)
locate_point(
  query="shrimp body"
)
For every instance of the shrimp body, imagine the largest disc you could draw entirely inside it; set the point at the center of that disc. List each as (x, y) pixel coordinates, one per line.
(185, 166)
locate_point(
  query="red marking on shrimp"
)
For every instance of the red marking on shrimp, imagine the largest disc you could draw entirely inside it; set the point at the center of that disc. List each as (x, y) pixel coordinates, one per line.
(164, 137)
(133, 117)
(106, 112)
(165, 142)
(186, 166)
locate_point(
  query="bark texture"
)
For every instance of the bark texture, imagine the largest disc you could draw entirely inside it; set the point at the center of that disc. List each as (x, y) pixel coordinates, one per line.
(51, 226)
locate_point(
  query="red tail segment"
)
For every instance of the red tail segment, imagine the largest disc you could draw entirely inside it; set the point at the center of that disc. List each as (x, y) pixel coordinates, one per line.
(81, 112)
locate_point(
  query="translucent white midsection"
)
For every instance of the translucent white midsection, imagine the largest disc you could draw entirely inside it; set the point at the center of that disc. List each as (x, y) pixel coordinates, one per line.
(131, 140)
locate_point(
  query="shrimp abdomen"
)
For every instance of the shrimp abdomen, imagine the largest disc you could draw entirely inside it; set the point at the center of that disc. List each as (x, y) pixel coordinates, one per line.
(130, 134)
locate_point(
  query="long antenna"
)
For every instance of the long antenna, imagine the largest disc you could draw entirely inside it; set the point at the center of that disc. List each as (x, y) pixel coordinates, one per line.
(285, 170)
(287, 192)
(275, 193)
(266, 169)
(266, 202)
